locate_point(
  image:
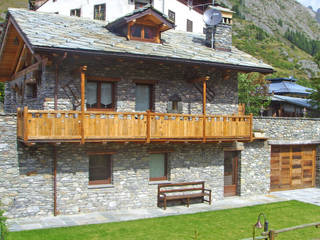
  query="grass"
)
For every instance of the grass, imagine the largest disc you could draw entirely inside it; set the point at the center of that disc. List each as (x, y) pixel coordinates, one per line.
(223, 224)
(5, 4)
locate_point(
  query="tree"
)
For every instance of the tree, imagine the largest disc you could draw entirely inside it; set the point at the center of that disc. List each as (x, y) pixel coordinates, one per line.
(317, 59)
(315, 93)
(253, 92)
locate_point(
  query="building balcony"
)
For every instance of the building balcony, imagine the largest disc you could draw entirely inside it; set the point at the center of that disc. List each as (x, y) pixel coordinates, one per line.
(102, 126)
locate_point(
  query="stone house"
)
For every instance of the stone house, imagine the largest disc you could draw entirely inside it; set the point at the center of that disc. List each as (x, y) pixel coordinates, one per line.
(97, 116)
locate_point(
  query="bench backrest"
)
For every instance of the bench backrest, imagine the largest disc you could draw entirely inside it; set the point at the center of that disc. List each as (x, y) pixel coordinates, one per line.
(181, 187)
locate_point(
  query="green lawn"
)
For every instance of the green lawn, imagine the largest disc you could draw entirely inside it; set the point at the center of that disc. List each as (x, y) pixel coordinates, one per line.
(224, 224)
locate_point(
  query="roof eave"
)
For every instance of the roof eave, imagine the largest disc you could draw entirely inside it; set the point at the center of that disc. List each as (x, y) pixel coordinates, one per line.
(160, 58)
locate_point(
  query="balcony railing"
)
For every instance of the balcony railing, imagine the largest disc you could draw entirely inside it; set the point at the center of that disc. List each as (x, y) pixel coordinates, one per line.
(97, 126)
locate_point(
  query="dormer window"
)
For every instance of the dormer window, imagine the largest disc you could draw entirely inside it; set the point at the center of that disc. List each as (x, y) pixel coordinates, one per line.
(144, 24)
(143, 32)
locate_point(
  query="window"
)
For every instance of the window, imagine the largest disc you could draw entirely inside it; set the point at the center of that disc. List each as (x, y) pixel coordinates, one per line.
(158, 165)
(144, 97)
(142, 32)
(141, 3)
(31, 90)
(75, 12)
(172, 15)
(100, 169)
(100, 12)
(189, 26)
(100, 95)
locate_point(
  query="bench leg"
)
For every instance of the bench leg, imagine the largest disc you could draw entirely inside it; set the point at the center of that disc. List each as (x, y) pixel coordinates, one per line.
(188, 202)
(210, 199)
(165, 203)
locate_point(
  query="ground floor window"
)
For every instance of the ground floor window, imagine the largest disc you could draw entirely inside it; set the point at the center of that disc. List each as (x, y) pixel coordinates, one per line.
(158, 165)
(100, 169)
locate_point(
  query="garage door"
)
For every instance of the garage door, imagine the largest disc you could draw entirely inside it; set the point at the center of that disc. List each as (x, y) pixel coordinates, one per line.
(292, 166)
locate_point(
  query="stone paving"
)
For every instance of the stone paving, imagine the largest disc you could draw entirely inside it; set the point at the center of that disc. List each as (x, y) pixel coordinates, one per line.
(308, 195)
(311, 195)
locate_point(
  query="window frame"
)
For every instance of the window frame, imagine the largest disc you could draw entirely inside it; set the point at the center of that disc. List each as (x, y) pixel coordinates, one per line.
(94, 12)
(172, 13)
(142, 38)
(151, 96)
(188, 25)
(110, 171)
(75, 11)
(165, 177)
(113, 97)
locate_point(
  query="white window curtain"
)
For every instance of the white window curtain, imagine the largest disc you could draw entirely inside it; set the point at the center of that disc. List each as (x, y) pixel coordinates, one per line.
(142, 98)
(106, 94)
(91, 94)
(156, 165)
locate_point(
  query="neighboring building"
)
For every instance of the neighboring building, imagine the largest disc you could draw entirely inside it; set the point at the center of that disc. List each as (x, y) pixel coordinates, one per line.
(107, 112)
(187, 15)
(288, 99)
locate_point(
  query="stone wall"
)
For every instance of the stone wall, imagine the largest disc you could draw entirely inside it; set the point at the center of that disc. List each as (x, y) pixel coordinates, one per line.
(26, 179)
(288, 131)
(171, 79)
(254, 176)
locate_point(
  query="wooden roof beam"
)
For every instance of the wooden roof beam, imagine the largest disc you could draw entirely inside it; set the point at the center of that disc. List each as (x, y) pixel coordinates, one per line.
(200, 79)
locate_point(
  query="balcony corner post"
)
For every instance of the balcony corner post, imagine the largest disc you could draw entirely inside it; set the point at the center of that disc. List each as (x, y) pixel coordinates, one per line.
(204, 111)
(83, 79)
(25, 123)
(148, 126)
(251, 127)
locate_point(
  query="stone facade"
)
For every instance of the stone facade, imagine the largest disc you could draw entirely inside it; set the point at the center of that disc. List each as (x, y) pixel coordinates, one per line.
(27, 181)
(254, 177)
(170, 79)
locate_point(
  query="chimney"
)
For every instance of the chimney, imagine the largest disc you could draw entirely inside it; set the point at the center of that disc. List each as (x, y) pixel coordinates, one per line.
(222, 33)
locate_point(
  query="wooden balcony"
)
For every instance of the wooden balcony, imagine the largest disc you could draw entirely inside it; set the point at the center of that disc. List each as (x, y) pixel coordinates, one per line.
(96, 126)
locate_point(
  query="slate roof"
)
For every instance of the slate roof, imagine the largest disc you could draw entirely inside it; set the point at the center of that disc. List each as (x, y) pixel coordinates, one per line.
(47, 30)
(287, 86)
(302, 102)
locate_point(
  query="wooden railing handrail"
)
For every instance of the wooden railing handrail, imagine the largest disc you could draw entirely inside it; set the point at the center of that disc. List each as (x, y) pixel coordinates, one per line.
(137, 113)
(57, 124)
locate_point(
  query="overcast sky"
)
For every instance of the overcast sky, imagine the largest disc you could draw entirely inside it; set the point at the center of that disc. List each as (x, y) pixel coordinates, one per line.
(314, 3)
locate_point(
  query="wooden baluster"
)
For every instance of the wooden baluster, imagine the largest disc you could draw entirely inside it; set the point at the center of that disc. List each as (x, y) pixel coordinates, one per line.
(83, 78)
(25, 123)
(148, 126)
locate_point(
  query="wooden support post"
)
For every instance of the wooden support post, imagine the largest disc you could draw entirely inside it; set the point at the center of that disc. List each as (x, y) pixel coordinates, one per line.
(83, 79)
(272, 235)
(148, 126)
(25, 123)
(251, 127)
(55, 209)
(56, 88)
(204, 103)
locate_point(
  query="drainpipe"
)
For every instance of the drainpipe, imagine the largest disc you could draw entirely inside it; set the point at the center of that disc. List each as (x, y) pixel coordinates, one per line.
(163, 3)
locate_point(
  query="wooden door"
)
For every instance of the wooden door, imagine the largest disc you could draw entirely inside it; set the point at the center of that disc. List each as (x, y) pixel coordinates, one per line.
(292, 167)
(230, 173)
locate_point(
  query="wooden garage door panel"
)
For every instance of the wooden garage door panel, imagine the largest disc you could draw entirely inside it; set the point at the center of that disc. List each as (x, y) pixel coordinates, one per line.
(292, 167)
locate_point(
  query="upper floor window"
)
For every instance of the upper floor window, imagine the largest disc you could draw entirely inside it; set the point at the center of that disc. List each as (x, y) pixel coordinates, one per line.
(100, 95)
(100, 12)
(75, 12)
(172, 15)
(143, 32)
(141, 3)
(189, 26)
(144, 97)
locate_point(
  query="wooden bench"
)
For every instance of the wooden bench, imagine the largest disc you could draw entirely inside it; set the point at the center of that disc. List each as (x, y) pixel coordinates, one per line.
(182, 191)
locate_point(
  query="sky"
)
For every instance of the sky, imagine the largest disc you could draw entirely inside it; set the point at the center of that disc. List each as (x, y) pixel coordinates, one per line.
(314, 3)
